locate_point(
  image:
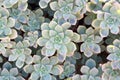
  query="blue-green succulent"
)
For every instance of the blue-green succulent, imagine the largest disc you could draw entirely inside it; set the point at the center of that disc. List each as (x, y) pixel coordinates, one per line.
(57, 38)
(21, 53)
(44, 68)
(114, 55)
(68, 10)
(90, 41)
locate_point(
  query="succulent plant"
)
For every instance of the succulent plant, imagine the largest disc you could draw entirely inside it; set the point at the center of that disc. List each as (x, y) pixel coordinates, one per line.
(21, 4)
(90, 71)
(89, 74)
(21, 53)
(89, 18)
(90, 41)
(94, 6)
(109, 73)
(5, 46)
(69, 70)
(114, 54)
(6, 24)
(34, 21)
(32, 38)
(108, 19)
(57, 38)
(43, 68)
(68, 11)
(93, 61)
(20, 17)
(73, 58)
(9, 73)
(25, 20)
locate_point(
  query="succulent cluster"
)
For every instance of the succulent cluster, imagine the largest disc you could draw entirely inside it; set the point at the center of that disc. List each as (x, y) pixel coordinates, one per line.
(109, 73)
(59, 39)
(68, 10)
(108, 19)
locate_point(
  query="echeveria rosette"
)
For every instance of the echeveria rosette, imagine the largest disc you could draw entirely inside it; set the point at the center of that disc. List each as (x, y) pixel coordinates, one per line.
(90, 41)
(90, 46)
(109, 73)
(89, 73)
(32, 38)
(44, 68)
(21, 53)
(5, 46)
(35, 19)
(112, 7)
(92, 61)
(21, 4)
(114, 55)
(108, 19)
(57, 38)
(6, 24)
(68, 10)
(7, 72)
(27, 20)
(10, 75)
(69, 70)
(20, 17)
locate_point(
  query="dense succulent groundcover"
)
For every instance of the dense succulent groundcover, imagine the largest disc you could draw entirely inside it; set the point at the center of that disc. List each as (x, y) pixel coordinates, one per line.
(59, 39)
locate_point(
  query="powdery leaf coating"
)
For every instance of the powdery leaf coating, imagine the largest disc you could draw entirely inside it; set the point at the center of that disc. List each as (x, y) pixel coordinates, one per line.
(109, 72)
(61, 37)
(114, 54)
(66, 11)
(42, 68)
(69, 69)
(94, 6)
(57, 38)
(90, 41)
(22, 5)
(73, 59)
(32, 37)
(21, 53)
(89, 73)
(108, 19)
(91, 63)
(6, 24)
(44, 3)
(9, 73)
(27, 20)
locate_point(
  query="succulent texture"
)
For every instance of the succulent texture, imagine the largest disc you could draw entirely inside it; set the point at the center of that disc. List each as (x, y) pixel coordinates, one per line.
(22, 4)
(114, 54)
(6, 24)
(43, 68)
(109, 72)
(90, 41)
(57, 38)
(68, 11)
(108, 19)
(21, 54)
